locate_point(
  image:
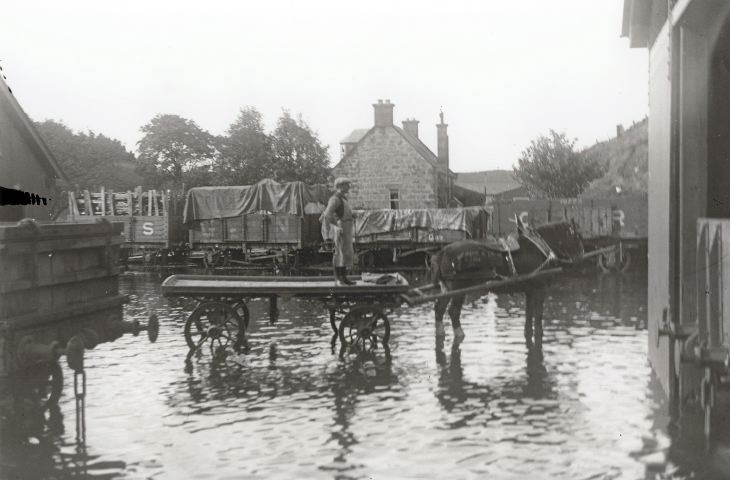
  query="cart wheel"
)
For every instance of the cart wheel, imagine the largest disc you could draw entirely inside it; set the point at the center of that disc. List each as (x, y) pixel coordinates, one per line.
(364, 326)
(216, 324)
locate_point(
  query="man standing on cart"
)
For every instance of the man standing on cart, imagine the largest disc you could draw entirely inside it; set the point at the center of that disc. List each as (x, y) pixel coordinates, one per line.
(337, 218)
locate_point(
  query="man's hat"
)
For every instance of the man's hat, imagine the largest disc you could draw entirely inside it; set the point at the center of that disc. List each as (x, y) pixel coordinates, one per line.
(341, 181)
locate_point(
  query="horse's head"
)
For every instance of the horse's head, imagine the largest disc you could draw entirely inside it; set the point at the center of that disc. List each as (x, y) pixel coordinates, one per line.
(564, 239)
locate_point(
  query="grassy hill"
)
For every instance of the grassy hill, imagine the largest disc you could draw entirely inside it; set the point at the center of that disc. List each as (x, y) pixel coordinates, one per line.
(491, 181)
(626, 159)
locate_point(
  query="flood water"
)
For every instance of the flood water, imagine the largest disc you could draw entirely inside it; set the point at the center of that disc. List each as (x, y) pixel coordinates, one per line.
(587, 408)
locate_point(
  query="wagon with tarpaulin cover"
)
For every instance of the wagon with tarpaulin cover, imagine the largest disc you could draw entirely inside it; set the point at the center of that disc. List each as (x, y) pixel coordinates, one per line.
(245, 223)
(408, 232)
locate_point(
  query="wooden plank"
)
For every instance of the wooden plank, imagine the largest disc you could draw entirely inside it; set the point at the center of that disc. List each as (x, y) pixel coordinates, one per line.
(138, 195)
(103, 201)
(87, 203)
(252, 286)
(130, 208)
(50, 246)
(72, 206)
(149, 203)
(70, 277)
(100, 306)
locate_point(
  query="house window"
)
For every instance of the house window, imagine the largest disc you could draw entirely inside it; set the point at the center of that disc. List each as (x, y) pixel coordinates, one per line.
(394, 200)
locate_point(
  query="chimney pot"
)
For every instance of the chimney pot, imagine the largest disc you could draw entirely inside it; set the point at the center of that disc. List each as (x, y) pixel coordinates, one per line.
(410, 125)
(383, 113)
(442, 142)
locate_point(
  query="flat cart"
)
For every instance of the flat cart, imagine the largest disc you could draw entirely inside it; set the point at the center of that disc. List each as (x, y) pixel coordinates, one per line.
(358, 313)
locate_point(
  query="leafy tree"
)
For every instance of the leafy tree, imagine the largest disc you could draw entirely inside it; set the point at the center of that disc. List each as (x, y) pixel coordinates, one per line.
(90, 160)
(550, 166)
(298, 153)
(175, 153)
(246, 154)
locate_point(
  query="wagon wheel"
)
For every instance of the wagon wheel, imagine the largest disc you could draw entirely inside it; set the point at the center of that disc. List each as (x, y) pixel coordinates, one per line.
(216, 324)
(366, 326)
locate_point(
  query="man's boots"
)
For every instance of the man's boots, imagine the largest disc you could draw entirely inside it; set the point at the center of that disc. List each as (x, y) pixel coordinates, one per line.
(341, 277)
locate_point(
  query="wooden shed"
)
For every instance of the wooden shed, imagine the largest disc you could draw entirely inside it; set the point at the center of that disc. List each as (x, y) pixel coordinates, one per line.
(689, 200)
(26, 163)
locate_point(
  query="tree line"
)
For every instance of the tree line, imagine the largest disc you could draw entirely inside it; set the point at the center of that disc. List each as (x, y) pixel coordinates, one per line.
(175, 153)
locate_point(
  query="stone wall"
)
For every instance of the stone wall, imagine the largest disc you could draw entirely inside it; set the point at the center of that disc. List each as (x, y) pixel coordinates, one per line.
(384, 161)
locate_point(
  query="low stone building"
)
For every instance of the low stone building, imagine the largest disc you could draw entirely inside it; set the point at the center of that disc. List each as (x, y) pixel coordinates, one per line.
(392, 168)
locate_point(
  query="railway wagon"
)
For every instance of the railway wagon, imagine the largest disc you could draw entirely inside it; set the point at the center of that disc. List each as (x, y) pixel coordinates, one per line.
(152, 220)
(408, 232)
(620, 220)
(59, 294)
(623, 216)
(254, 222)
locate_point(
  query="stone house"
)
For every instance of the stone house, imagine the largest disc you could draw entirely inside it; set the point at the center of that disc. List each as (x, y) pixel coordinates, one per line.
(392, 168)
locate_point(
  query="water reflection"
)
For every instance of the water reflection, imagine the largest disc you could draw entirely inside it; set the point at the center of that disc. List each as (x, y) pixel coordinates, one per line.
(34, 443)
(585, 407)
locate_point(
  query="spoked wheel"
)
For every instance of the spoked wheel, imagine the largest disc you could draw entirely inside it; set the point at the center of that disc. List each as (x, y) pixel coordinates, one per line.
(215, 324)
(365, 327)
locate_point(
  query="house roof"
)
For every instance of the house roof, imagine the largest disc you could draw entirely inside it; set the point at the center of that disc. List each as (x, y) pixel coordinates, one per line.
(420, 147)
(355, 135)
(489, 182)
(9, 106)
(467, 196)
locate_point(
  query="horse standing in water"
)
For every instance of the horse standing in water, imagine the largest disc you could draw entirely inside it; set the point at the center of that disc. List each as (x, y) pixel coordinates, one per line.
(466, 263)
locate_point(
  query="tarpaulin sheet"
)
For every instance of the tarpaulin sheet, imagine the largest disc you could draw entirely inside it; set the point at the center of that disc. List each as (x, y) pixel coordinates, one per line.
(204, 203)
(373, 222)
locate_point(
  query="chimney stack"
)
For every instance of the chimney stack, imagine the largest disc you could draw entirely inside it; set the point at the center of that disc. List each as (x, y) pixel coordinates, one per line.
(383, 113)
(443, 143)
(619, 130)
(410, 125)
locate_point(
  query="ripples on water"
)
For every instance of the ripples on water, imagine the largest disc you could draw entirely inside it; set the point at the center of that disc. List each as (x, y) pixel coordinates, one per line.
(291, 408)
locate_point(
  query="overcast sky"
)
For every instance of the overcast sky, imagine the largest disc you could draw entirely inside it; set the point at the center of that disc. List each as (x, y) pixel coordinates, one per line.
(504, 72)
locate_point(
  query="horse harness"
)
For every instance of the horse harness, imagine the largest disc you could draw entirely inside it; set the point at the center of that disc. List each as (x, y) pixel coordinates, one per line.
(543, 247)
